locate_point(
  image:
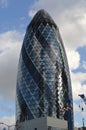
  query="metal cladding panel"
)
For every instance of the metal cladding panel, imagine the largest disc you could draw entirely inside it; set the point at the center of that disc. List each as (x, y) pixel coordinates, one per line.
(43, 81)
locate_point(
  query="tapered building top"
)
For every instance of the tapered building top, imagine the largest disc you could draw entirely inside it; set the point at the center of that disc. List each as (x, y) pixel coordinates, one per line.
(43, 82)
(42, 17)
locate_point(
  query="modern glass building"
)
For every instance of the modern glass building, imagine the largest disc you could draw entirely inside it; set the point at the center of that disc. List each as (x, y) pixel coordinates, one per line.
(43, 81)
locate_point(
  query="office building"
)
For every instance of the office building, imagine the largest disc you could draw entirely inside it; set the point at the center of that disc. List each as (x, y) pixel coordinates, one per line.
(43, 81)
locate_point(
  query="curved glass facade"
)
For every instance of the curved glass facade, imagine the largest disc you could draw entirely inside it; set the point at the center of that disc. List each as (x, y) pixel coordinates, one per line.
(43, 81)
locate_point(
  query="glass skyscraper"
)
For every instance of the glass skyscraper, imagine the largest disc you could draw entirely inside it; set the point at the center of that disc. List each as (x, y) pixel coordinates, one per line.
(43, 81)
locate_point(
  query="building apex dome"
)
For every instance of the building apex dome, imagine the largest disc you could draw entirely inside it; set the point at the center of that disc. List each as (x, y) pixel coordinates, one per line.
(43, 13)
(43, 16)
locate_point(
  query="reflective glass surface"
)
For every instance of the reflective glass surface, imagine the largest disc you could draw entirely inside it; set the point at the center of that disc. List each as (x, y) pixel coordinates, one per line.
(43, 81)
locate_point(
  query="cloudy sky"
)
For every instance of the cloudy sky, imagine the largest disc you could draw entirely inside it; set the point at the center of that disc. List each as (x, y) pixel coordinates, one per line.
(15, 15)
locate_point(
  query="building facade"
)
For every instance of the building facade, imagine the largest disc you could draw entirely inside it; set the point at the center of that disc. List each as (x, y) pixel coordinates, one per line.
(43, 81)
(43, 123)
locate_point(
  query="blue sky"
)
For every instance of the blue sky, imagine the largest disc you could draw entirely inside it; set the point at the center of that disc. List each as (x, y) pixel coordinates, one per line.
(15, 15)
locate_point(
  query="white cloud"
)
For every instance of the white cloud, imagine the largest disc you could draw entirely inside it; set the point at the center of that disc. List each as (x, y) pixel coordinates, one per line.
(10, 43)
(73, 29)
(3, 3)
(73, 58)
(77, 124)
(7, 120)
(84, 111)
(84, 65)
(76, 107)
(32, 13)
(78, 87)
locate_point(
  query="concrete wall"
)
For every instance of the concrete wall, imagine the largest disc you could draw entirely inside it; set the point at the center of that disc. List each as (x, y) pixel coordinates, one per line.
(75, 128)
(57, 123)
(42, 124)
(39, 123)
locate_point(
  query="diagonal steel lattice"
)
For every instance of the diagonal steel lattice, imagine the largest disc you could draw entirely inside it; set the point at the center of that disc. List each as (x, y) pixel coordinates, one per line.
(43, 81)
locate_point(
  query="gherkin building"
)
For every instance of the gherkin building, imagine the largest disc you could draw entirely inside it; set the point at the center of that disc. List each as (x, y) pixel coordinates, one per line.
(43, 80)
